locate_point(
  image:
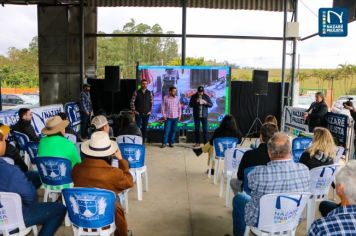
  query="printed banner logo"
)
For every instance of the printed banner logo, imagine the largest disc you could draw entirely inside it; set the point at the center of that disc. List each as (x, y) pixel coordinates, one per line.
(333, 22)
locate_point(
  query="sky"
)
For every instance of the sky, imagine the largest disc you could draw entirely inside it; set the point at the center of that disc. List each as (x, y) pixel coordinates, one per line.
(316, 52)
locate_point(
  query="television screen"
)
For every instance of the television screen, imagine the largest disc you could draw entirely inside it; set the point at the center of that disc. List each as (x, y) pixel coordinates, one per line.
(216, 81)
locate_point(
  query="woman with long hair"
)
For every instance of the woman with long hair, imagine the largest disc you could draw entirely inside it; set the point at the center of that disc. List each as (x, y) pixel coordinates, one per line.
(227, 128)
(322, 151)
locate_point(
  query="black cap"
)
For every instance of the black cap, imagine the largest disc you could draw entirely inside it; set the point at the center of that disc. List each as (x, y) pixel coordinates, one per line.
(200, 89)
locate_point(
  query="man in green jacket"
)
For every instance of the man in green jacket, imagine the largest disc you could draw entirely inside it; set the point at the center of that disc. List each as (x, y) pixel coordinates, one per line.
(55, 144)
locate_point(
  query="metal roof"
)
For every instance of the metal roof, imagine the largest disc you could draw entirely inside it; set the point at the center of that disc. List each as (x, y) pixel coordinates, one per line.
(264, 5)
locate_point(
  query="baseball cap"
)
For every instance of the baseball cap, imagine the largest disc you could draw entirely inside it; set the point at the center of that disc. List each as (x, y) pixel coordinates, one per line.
(99, 121)
(200, 89)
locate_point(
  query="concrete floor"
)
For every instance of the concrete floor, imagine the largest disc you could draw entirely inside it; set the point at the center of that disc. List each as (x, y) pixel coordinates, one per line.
(181, 200)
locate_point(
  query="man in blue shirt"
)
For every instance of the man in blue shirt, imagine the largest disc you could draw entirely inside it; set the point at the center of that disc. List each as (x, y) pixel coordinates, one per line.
(48, 214)
(342, 220)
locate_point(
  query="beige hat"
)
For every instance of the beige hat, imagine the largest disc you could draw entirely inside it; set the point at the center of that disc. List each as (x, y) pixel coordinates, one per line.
(99, 121)
(99, 145)
(54, 125)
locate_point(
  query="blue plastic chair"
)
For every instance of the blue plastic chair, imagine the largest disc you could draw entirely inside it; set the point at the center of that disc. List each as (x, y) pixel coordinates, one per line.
(135, 155)
(247, 190)
(32, 150)
(220, 146)
(55, 174)
(298, 147)
(90, 210)
(22, 141)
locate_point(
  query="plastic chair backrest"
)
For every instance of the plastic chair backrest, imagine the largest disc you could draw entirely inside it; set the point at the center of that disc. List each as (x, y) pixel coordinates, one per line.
(246, 172)
(297, 154)
(281, 212)
(129, 139)
(90, 207)
(301, 143)
(321, 179)
(8, 160)
(54, 170)
(339, 154)
(71, 137)
(233, 158)
(133, 153)
(22, 140)
(11, 212)
(222, 144)
(32, 150)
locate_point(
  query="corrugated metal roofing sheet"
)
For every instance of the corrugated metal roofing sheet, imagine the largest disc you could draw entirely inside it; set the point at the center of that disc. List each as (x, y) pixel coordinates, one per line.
(264, 5)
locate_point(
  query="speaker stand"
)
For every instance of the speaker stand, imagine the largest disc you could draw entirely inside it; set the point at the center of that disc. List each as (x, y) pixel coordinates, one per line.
(257, 122)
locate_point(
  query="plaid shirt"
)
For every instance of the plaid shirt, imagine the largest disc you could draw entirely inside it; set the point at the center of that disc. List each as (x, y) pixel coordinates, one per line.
(85, 102)
(171, 107)
(341, 221)
(277, 177)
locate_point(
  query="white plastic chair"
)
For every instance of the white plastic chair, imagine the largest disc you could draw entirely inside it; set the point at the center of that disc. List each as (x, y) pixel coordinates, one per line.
(339, 154)
(279, 214)
(11, 208)
(320, 182)
(232, 161)
(129, 139)
(220, 146)
(71, 137)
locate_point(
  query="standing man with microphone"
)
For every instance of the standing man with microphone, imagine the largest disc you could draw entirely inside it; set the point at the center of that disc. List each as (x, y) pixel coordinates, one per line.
(200, 102)
(141, 105)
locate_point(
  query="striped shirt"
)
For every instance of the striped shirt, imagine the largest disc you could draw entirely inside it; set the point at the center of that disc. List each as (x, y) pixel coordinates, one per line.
(341, 221)
(171, 107)
(277, 177)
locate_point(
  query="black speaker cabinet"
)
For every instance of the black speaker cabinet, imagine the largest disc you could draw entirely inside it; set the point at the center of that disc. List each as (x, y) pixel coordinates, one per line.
(112, 78)
(260, 82)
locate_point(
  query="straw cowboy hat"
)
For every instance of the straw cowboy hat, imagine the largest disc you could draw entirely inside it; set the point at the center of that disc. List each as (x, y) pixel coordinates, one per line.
(54, 125)
(99, 145)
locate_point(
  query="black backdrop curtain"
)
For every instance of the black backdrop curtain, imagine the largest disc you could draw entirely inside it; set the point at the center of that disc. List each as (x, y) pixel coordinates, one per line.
(244, 103)
(111, 102)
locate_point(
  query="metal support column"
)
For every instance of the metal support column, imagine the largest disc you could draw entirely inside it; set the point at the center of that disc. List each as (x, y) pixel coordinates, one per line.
(294, 74)
(82, 43)
(184, 29)
(284, 57)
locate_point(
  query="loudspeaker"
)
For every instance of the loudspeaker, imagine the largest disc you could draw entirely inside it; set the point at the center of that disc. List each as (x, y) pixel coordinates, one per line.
(112, 78)
(349, 4)
(260, 82)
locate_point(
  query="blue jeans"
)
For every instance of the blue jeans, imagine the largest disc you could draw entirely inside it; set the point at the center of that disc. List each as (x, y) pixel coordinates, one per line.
(85, 119)
(238, 213)
(170, 129)
(142, 122)
(48, 214)
(204, 122)
(34, 177)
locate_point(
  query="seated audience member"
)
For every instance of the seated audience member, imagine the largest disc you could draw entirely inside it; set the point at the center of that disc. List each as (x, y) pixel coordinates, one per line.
(55, 144)
(254, 157)
(322, 151)
(280, 175)
(48, 214)
(129, 126)
(69, 130)
(100, 123)
(24, 124)
(96, 172)
(14, 154)
(227, 128)
(341, 220)
(271, 119)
